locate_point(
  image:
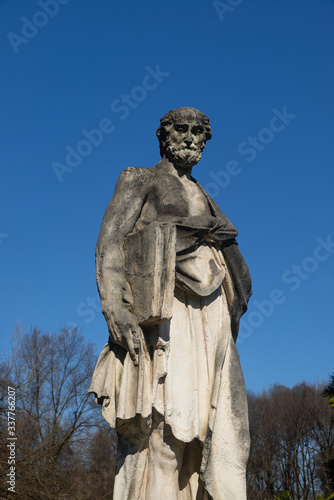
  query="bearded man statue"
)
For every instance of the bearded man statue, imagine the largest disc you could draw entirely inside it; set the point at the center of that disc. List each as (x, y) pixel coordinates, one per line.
(173, 286)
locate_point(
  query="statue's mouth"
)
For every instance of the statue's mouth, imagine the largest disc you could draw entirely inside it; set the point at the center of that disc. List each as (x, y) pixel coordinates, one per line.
(189, 148)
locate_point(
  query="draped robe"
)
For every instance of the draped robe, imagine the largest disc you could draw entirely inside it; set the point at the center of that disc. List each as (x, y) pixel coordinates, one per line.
(189, 370)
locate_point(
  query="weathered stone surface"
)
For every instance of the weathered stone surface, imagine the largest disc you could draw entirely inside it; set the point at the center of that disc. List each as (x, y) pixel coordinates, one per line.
(173, 286)
(150, 271)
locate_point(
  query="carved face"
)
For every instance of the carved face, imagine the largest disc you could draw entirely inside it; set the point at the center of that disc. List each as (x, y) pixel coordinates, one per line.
(185, 142)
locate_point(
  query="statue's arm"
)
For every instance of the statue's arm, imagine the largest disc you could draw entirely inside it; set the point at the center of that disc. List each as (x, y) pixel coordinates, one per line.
(120, 218)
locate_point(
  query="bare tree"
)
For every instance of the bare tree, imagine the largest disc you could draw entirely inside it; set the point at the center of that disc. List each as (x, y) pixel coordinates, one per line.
(56, 419)
(292, 436)
(327, 455)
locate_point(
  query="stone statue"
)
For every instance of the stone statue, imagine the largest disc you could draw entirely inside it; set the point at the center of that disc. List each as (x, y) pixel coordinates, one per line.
(173, 286)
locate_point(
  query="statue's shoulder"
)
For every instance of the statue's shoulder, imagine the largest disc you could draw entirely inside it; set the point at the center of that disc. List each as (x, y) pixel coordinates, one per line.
(134, 177)
(135, 172)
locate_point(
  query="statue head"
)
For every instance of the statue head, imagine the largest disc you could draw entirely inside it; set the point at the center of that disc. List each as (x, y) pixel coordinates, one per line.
(182, 135)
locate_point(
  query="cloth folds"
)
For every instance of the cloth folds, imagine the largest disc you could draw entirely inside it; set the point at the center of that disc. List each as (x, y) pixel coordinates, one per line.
(189, 372)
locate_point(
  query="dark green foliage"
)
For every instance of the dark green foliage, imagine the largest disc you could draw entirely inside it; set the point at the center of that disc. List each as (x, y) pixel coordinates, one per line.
(328, 392)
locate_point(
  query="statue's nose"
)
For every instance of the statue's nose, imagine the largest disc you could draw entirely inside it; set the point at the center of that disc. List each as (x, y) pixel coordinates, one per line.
(188, 140)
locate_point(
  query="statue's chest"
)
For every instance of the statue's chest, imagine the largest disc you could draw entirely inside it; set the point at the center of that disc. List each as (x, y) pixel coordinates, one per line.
(197, 201)
(182, 198)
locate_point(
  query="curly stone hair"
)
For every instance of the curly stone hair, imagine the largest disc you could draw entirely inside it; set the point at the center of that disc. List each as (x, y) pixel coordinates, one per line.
(186, 114)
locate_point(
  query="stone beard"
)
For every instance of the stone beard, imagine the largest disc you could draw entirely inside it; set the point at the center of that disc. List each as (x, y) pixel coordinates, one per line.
(173, 286)
(183, 157)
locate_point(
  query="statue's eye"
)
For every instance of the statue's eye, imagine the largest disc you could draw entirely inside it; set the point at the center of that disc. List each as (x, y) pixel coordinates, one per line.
(197, 130)
(180, 128)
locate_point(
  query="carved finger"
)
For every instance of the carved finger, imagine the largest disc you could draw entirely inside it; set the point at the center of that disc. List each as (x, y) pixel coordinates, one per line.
(131, 348)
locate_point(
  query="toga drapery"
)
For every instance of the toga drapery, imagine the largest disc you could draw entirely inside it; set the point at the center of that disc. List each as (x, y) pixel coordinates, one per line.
(189, 370)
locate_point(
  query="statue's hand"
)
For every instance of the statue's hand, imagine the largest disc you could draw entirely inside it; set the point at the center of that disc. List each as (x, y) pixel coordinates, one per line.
(124, 329)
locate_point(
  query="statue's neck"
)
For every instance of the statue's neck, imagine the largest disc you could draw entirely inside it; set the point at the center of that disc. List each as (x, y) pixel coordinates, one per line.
(173, 169)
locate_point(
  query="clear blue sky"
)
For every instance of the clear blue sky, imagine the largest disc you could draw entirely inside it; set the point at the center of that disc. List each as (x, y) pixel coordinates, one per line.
(263, 73)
